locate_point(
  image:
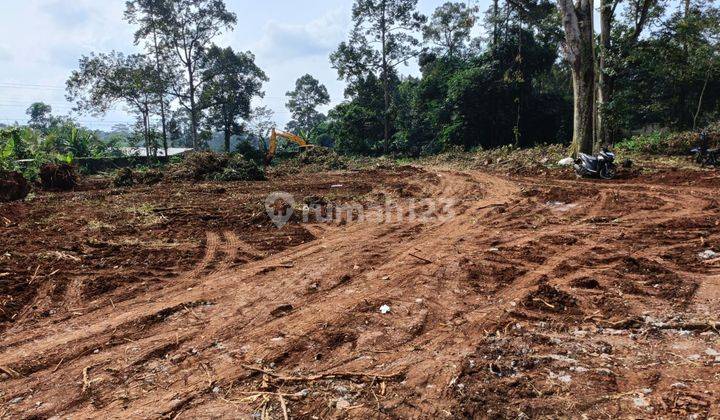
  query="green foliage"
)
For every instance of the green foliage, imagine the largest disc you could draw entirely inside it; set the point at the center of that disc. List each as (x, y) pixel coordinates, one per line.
(63, 143)
(40, 116)
(309, 93)
(233, 80)
(180, 32)
(240, 168)
(204, 166)
(126, 177)
(246, 149)
(668, 143)
(449, 28)
(123, 177)
(316, 159)
(668, 77)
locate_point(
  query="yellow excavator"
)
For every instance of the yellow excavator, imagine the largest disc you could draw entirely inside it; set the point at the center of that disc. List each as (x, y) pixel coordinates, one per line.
(272, 147)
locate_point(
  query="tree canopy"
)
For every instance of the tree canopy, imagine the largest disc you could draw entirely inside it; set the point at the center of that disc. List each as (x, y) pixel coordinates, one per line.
(303, 102)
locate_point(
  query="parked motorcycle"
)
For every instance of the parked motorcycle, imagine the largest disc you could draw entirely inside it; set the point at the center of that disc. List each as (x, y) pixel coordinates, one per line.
(705, 156)
(602, 165)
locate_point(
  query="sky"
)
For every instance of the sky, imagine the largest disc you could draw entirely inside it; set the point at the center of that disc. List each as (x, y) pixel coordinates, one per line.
(43, 40)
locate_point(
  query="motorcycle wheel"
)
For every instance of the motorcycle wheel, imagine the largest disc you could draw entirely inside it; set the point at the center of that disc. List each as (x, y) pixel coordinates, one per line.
(607, 172)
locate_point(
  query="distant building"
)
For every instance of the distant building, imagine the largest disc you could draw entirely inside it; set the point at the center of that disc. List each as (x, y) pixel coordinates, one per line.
(140, 151)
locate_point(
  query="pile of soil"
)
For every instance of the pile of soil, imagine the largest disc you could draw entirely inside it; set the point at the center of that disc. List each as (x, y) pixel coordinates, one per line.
(56, 177)
(126, 177)
(13, 186)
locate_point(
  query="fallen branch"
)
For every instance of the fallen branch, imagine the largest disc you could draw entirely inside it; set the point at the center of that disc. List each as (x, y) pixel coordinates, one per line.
(692, 326)
(86, 379)
(283, 406)
(635, 322)
(322, 375)
(58, 365)
(12, 373)
(421, 258)
(543, 301)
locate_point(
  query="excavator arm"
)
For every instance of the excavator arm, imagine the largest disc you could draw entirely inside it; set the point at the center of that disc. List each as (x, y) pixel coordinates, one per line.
(272, 147)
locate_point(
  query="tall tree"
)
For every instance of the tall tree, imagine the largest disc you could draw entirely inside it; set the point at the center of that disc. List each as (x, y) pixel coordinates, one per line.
(449, 27)
(147, 14)
(187, 28)
(262, 120)
(309, 94)
(577, 20)
(40, 115)
(104, 80)
(614, 45)
(232, 81)
(382, 38)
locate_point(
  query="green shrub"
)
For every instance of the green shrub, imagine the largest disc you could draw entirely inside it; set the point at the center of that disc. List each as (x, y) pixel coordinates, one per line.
(241, 169)
(667, 143)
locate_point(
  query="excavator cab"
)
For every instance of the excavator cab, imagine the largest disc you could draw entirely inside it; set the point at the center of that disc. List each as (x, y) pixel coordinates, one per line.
(272, 147)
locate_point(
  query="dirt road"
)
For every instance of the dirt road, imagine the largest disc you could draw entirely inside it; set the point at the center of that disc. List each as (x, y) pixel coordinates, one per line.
(534, 297)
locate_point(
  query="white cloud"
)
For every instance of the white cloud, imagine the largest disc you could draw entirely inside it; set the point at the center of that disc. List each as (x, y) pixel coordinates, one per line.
(5, 55)
(68, 15)
(284, 40)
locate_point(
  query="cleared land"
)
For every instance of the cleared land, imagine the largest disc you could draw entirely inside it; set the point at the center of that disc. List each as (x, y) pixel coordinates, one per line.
(542, 296)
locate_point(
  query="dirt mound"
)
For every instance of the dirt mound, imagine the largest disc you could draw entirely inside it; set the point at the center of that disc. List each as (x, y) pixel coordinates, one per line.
(682, 177)
(585, 283)
(126, 177)
(567, 195)
(13, 186)
(240, 169)
(548, 298)
(322, 158)
(209, 166)
(58, 177)
(316, 159)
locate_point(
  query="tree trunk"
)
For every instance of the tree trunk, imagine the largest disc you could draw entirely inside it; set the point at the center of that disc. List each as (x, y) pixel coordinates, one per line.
(702, 94)
(495, 23)
(228, 135)
(386, 88)
(161, 94)
(580, 54)
(146, 132)
(193, 109)
(604, 83)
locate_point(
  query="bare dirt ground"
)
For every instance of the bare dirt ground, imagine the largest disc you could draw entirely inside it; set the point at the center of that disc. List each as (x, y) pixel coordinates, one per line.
(540, 297)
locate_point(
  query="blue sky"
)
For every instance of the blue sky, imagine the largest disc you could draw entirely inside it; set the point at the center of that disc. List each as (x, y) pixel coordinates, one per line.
(43, 39)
